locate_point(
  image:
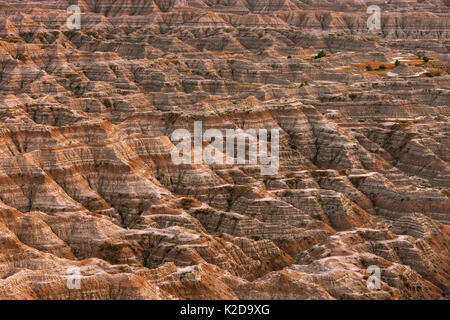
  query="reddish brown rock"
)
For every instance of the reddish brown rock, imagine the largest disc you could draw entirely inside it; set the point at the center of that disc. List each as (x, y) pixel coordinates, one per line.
(87, 182)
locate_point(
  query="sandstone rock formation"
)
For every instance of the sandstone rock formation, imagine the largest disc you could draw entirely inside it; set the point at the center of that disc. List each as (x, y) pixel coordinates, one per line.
(87, 181)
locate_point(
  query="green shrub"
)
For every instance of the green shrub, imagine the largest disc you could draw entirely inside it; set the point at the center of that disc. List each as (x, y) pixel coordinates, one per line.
(397, 63)
(430, 74)
(353, 96)
(321, 54)
(306, 83)
(382, 67)
(425, 59)
(369, 68)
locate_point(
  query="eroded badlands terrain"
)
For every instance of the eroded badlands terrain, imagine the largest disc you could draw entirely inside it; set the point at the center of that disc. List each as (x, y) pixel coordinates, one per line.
(87, 179)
